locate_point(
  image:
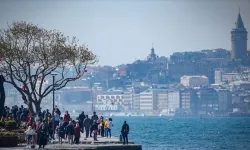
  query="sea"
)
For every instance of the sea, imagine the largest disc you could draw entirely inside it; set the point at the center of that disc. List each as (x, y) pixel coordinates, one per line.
(191, 133)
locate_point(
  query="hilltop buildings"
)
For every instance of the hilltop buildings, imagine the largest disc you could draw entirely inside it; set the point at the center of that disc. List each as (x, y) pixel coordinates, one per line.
(205, 82)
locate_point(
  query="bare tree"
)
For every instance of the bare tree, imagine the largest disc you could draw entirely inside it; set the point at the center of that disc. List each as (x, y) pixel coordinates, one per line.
(30, 54)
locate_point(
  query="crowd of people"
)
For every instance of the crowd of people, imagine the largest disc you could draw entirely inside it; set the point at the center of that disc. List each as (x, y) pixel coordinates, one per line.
(40, 128)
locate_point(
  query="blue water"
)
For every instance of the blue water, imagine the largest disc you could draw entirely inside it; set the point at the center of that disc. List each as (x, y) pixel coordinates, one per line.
(158, 133)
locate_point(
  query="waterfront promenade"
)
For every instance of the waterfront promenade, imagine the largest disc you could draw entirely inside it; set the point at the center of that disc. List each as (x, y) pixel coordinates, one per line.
(112, 143)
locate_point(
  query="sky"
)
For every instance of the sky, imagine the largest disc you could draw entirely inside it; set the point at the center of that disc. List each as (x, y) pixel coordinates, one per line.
(121, 31)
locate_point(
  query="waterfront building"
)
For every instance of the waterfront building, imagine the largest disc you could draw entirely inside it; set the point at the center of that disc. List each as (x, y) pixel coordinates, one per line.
(136, 103)
(194, 81)
(224, 101)
(162, 101)
(110, 100)
(150, 99)
(239, 40)
(189, 101)
(173, 100)
(207, 100)
(147, 101)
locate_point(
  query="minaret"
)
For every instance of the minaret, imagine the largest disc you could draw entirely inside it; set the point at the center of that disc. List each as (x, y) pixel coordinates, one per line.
(239, 40)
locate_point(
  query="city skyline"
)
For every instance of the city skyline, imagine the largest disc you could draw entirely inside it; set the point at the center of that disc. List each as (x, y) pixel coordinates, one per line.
(127, 29)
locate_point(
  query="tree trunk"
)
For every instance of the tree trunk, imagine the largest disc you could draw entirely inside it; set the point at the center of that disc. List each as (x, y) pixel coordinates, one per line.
(31, 109)
(2, 95)
(38, 107)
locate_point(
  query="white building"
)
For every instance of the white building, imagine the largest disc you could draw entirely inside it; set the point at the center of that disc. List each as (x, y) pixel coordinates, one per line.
(147, 100)
(173, 100)
(162, 101)
(136, 103)
(128, 99)
(218, 76)
(153, 99)
(194, 81)
(110, 100)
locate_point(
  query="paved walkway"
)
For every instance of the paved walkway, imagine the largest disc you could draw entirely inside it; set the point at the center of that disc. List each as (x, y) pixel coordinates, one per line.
(103, 143)
(101, 140)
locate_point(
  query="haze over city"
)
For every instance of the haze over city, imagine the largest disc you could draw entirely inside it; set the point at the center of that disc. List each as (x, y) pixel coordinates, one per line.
(127, 29)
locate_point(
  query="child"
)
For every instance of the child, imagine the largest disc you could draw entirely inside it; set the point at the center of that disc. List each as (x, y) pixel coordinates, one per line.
(29, 133)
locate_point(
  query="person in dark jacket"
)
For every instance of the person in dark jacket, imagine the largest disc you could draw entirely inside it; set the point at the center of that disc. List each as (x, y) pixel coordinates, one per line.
(22, 117)
(125, 132)
(77, 133)
(81, 119)
(94, 117)
(61, 132)
(94, 129)
(70, 131)
(42, 137)
(87, 125)
(50, 127)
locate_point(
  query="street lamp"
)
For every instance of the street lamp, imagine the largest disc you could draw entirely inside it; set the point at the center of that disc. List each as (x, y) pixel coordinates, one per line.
(53, 118)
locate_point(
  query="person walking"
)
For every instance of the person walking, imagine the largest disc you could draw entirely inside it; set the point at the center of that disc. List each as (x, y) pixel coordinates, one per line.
(77, 133)
(125, 132)
(70, 131)
(86, 125)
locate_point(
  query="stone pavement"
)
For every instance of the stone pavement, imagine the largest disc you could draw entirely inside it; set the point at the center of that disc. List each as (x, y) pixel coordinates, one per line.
(90, 140)
(112, 143)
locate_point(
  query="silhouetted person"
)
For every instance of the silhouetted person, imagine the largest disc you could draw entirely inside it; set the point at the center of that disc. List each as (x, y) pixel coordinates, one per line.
(81, 118)
(125, 132)
(42, 137)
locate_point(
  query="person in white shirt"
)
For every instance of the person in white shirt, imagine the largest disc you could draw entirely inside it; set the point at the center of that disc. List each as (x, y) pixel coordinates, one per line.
(29, 133)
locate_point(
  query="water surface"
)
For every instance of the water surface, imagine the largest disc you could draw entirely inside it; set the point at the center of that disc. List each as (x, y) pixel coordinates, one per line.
(159, 133)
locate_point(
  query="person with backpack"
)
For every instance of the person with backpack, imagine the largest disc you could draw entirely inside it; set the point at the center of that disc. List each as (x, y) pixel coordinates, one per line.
(125, 132)
(70, 131)
(61, 132)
